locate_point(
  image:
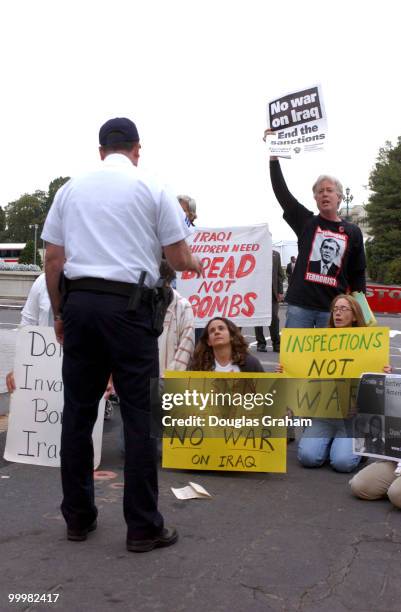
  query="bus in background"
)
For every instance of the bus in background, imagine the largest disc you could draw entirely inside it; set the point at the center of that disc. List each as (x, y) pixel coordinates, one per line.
(10, 252)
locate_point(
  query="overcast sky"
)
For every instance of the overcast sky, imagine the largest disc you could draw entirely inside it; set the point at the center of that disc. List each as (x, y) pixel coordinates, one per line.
(196, 77)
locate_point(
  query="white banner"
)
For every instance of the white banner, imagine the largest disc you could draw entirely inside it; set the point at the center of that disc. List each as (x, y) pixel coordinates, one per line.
(237, 275)
(299, 123)
(36, 407)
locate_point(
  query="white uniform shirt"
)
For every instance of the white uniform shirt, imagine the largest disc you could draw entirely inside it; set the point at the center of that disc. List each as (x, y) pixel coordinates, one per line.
(113, 221)
(37, 309)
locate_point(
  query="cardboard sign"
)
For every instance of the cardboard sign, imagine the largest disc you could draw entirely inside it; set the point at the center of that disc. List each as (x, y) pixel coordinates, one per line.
(237, 275)
(36, 407)
(334, 353)
(242, 444)
(299, 122)
(247, 454)
(378, 422)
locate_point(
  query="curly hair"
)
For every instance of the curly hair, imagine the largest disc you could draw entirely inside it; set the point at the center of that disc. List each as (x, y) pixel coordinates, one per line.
(356, 310)
(203, 358)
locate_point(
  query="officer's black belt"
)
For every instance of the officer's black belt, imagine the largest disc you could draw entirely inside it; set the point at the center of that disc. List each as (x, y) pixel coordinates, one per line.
(102, 285)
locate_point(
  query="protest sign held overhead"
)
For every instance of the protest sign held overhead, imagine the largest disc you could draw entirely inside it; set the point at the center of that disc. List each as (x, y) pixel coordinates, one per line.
(36, 407)
(299, 123)
(236, 279)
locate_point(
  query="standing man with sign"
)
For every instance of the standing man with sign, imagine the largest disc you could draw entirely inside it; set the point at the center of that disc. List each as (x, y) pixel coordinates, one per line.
(331, 257)
(110, 225)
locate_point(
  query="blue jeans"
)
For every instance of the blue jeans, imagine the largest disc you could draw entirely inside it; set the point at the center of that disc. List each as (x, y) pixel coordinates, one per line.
(297, 316)
(325, 439)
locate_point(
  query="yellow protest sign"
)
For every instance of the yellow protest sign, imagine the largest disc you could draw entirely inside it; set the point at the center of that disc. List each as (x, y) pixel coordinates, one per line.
(326, 365)
(231, 434)
(238, 451)
(334, 352)
(321, 370)
(330, 398)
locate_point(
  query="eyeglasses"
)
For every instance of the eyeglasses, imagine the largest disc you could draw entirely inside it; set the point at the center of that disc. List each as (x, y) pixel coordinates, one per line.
(340, 309)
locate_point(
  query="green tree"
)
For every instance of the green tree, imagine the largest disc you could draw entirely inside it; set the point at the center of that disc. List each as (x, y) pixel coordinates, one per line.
(384, 214)
(393, 272)
(22, 213)
(28, 254)
(54, 186)
(29, 209)
(2, 224)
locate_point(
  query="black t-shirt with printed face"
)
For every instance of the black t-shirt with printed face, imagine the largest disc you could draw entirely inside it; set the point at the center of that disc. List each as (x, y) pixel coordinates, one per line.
(331, 257)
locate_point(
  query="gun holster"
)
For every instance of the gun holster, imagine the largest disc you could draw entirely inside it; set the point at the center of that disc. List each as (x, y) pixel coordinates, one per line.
(161, 298)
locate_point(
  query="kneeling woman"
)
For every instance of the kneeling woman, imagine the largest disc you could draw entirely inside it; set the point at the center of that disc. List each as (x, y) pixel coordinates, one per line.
(327, 438)
(222, 348)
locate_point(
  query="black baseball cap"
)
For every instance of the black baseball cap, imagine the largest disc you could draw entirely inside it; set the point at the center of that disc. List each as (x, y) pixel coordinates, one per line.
(118, 130)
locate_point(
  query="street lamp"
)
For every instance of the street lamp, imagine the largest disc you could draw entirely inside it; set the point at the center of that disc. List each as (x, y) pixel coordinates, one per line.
(36, 233)
(348, 199)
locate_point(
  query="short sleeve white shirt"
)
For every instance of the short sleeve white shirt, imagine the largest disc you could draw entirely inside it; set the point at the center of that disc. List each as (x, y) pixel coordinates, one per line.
(113, 223)
(37, 309)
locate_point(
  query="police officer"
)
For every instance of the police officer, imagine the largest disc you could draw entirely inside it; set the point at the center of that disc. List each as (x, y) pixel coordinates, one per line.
(106, 230)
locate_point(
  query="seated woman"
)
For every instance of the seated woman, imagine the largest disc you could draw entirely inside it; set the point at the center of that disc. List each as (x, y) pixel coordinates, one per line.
(328, 438)
(222, 348)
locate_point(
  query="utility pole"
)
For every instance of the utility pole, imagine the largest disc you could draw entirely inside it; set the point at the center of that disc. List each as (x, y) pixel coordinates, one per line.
(348, 199)
(35, 241)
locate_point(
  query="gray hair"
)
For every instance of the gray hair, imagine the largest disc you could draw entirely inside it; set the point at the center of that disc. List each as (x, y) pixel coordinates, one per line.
(190, 201)
(332, 179)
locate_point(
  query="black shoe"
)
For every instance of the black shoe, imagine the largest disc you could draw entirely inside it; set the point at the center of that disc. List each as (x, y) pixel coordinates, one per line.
(276, 348)
(261, 348)
(79, 535)
(168, 536)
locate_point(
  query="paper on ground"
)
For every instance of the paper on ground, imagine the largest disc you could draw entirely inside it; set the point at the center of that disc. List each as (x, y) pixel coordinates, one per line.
(191, 491)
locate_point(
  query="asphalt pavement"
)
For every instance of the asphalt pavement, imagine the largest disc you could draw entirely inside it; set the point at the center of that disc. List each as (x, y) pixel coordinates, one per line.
(297, 541)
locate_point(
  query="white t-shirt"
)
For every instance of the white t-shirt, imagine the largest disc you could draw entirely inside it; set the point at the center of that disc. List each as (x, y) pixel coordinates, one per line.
(37, 309)
(113, 222)
(230, 367)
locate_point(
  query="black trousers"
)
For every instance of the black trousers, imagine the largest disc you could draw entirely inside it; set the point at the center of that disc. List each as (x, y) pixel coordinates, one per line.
(101, 337)
(274, 328)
